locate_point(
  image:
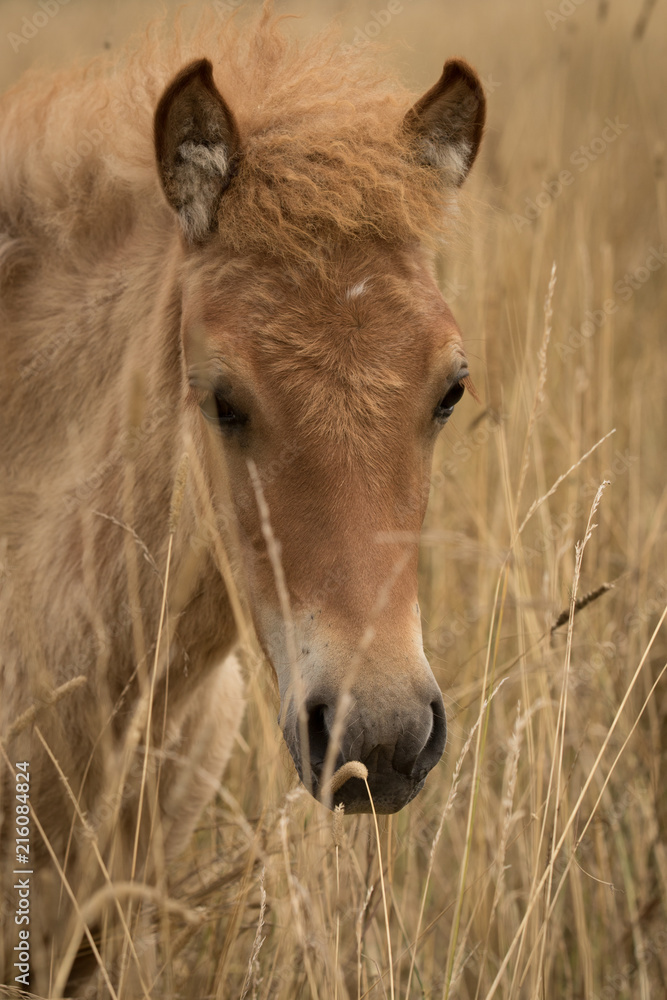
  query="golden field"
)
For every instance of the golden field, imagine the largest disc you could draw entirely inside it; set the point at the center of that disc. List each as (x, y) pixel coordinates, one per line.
(534, 863)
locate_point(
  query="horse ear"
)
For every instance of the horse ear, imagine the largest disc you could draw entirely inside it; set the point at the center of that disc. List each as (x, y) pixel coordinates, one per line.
(446, 124)
(196, 145)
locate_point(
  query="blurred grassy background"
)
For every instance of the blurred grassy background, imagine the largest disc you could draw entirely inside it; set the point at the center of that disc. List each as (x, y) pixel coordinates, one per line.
(460, 889)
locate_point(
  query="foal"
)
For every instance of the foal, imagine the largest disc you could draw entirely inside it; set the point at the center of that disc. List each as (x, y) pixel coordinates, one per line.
(226, 365)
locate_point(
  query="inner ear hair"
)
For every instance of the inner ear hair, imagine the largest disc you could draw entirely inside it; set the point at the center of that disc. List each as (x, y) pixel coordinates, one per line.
(446, 124)
(196, 147)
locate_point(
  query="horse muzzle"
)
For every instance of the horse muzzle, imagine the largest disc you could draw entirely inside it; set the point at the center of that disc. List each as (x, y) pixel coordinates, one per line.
(398, 735)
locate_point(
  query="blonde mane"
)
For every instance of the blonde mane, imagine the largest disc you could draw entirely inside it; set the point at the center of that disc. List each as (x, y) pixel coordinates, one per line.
(324, 156)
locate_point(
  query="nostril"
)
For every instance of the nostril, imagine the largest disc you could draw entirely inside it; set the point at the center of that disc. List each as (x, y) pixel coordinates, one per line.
(435, 744)
(318, 735)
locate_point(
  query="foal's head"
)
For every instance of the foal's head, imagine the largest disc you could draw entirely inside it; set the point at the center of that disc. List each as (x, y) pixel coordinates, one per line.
(323, 365)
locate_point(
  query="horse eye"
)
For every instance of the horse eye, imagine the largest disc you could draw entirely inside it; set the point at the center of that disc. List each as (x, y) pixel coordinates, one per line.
(219, 410)
(445, 407)
(224, 411)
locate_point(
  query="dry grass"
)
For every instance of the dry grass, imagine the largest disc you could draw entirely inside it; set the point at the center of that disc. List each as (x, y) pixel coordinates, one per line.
(534, 864)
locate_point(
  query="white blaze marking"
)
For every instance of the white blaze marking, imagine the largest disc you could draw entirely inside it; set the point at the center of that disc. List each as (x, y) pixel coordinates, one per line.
(356, 290)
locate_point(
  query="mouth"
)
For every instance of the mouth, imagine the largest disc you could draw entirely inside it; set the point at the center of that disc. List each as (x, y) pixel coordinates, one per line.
(390, 791)
(389, 795)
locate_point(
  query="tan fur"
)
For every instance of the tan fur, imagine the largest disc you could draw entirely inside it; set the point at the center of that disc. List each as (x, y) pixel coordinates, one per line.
(201, 746)
(114, 331)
